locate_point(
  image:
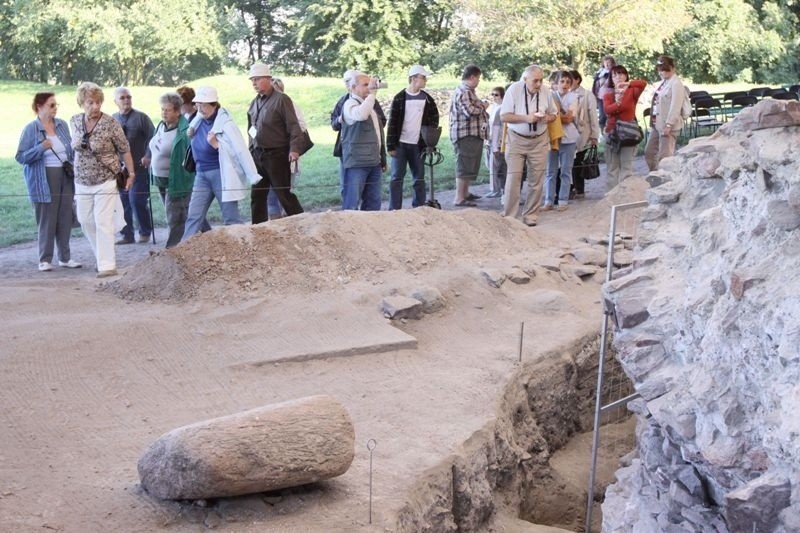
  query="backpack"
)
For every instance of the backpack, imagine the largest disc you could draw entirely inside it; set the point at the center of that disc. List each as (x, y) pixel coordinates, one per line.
(686, 109)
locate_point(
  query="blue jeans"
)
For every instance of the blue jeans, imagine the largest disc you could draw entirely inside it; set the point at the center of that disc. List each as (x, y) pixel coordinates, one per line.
(563, 157)
(362, 188)
(411, 155)
(207, 186)
(135, 205)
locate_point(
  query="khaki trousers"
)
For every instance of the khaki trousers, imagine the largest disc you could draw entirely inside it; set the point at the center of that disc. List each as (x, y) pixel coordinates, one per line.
(658, 147)
(520, 150)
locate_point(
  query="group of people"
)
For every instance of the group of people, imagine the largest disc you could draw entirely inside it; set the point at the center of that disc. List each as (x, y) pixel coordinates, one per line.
(100, 167)
(196, 154)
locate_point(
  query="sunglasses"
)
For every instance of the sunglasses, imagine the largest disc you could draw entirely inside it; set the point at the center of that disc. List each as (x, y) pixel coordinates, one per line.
(85, 141)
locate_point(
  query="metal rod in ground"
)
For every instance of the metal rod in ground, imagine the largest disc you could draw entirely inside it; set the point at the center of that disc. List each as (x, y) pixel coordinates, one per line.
(371, 443)
(521, 333)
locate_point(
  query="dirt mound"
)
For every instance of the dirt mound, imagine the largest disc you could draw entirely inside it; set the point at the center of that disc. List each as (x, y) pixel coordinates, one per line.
(322, 251)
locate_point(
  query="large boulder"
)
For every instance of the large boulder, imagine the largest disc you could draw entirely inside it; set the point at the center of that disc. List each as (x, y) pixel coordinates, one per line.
(267, 448)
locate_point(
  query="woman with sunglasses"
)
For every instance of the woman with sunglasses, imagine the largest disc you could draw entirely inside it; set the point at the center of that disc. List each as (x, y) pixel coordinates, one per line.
(44, 148)
(665, 117)
(99, 142)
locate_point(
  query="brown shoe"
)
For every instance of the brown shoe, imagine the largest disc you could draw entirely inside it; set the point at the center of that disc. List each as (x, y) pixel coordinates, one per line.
(143, 239)
(529, 221)
(124, 240)
(107, 273)
(561, 208)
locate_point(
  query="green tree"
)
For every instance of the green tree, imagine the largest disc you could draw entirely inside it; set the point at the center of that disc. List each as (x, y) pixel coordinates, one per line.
(566, 33)
(726, 42)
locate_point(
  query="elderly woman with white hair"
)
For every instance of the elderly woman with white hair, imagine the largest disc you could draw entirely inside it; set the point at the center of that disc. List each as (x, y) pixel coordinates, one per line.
(167, 150)
(224, 166)
(99, 142)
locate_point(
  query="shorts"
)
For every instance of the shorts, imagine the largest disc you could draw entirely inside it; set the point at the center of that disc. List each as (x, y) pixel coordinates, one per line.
(468, 157)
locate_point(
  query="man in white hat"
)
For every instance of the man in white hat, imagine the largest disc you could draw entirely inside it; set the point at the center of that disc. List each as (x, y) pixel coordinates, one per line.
(275, 142)
(411, 109)
(337, 120)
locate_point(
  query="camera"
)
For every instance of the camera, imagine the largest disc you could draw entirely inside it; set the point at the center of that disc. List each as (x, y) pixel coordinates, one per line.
(377, 83)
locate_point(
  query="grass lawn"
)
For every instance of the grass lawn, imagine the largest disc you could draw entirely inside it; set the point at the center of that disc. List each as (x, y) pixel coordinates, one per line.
(317, 187)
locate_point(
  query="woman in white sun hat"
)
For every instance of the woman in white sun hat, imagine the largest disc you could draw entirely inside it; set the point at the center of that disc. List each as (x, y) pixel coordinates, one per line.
(224, 167)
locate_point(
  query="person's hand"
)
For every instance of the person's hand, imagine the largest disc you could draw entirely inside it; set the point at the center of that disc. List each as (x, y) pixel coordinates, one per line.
(593, 142)
(212, 140)
(293, 156)
(145, 161)
(623, 85)
(129, 182)
(393, 153)
(667, 131)
(190, 132)
(568, 118)
(548, 118)
(47, 144)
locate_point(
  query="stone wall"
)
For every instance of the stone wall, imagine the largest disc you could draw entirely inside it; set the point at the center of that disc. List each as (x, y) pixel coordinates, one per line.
(709, 331)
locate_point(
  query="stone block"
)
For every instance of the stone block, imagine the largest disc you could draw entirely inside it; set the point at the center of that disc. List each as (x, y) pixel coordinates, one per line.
(548, 300)
(590, 256)
(551, 264)
(630, 309)
(755, 505)
(397, 307)
(664, 194)
(618, 284)
(782, 215)
(272, 447)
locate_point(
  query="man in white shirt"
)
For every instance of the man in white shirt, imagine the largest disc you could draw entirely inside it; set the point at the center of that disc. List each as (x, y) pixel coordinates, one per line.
(411, 109)
(527, 108)
(363, 147)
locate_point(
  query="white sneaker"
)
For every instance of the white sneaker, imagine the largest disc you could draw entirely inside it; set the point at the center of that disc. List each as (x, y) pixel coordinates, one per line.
(70, 264)
(44, 266)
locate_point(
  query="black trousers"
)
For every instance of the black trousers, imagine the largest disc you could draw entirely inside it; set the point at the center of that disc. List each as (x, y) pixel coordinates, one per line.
(273, 167)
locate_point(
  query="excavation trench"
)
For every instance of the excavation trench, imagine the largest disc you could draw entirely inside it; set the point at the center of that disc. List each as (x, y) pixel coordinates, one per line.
(529, 465)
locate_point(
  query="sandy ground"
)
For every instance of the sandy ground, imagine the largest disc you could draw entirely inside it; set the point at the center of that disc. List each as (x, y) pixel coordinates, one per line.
(91, 373)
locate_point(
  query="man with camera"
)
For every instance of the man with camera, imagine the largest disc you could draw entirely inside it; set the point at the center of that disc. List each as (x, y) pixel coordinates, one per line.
(275, 142)
(363, 146)
(138, 129)
(411, 109)
(527, 108)
(337, 121)
(469, 124)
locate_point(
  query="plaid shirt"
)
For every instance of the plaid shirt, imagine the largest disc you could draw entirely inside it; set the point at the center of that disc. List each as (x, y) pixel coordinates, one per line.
(468, 115)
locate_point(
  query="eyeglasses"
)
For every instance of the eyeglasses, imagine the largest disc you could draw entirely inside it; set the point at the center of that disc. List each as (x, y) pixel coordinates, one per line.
(53, 105)
(495, 94)
(85, 141)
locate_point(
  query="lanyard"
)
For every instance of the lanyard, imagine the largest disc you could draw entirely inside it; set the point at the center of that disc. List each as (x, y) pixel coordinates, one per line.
(532, 126)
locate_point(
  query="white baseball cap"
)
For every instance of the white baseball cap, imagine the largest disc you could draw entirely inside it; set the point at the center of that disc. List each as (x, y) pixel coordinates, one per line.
(418, 70)
(259, 70)
(205, 95)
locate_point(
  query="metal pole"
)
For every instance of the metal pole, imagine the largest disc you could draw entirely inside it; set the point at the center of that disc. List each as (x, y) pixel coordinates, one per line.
(371, 443)
(521, 333)
(601, 363)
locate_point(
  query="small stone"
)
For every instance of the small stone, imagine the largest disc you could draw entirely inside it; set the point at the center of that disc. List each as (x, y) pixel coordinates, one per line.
(517, 276)
(431, 298)
(212, 520)
(495, 277)
(663, 194)
(552, 264)
(590, 256)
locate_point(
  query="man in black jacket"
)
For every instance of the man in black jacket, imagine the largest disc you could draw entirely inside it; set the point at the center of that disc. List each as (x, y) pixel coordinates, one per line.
(411, 109)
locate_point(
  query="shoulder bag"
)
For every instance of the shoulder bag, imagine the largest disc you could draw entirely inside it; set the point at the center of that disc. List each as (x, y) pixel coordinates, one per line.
(627, 133)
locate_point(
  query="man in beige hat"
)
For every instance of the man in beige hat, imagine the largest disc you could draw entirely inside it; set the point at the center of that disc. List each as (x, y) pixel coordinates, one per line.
(275, 142)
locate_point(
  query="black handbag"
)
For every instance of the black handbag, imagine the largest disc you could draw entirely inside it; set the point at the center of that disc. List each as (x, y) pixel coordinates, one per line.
(627, 133)
(307, 144)
(188, 160)
(589, 169)
(122, 178)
